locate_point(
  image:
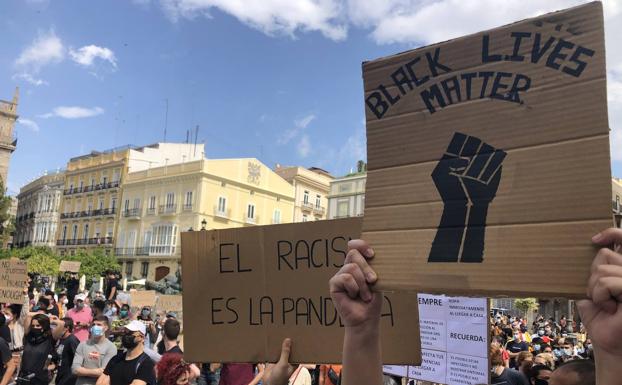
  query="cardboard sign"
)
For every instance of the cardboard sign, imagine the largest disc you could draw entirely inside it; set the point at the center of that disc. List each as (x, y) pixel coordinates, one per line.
(489, 157)
(72, 266)
(454, 338)
(170, 302)
(246, 289)
(142, 298)
(13, 279)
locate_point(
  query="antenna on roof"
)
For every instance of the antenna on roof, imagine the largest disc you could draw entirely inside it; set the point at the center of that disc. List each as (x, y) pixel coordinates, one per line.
(196, 136)
(165, 119)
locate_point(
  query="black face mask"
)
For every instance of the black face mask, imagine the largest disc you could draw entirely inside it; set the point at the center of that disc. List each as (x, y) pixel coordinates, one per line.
(128, 341)
(541, 382)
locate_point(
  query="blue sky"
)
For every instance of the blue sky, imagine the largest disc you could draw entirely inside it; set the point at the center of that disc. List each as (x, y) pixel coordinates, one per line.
(279, 80)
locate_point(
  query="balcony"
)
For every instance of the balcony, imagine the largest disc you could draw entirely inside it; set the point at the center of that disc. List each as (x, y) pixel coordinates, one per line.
(252, 220)
(222, 214)
(97, 187)
(319, 210)
(187, 207)
(306, 206)
(151, 210)
(132, 213)
(100, 241)
(167, 209)
(131, 251)
(88, 213)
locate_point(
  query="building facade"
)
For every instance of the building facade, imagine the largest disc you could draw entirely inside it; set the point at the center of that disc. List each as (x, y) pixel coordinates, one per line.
(347, 196)
(311, 187)
(616, 195)
(8, 117)
(89, 210)
(159, 203)
(37, 215)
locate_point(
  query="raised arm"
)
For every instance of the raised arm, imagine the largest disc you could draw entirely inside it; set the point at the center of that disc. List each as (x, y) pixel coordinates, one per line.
(359, 308)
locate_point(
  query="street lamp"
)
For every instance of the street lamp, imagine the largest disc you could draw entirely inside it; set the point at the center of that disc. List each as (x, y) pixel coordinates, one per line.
(203, 224)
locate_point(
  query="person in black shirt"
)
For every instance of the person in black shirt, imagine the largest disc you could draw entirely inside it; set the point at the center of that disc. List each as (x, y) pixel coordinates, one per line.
(514, 347)
(500, 374)
(72, 286)
(66, 350)
(7, 365)
(132, 366)
(111, 286)
(52, 307)
(39, 353)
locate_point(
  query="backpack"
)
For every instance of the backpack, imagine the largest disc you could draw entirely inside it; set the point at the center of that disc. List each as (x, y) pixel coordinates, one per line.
(333, 376)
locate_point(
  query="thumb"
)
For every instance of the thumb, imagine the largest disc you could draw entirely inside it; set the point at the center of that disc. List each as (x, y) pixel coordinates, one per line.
(587, 311)
(286, 349)
(608, 237)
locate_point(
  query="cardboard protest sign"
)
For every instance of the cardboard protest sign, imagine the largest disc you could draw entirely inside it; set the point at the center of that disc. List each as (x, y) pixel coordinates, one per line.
(72, 266)
(142, 298)
(13, 279)
(170, 302)
(246, 289)
(489, 155)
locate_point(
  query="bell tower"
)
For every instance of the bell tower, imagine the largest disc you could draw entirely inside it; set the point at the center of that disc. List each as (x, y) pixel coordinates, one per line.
(8, 117)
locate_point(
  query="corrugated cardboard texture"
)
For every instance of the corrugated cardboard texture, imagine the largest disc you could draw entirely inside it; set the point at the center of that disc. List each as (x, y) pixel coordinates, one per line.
(488, 156)
(239, 306)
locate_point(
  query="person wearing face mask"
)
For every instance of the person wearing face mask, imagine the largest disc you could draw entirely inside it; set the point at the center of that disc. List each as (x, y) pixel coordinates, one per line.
(514, 347)
(132, 366)
(12, 315)
(81, 316)
(39, 354)
(110, 310)
(7, 364)
(118, 326)
(93, 355)
(62, 305)
(145, 318)
(66, 350)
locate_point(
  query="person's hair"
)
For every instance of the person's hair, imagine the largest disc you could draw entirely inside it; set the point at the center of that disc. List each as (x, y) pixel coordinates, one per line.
(496, 358)
(535, 370)
(125, 306)
(99, 304)
(44, 321)
(68, 323)
(102, 318)
(2, 319)
(522, 356)
(171, 329)
(170, 368)
(49, 292)
(44, 301)
(585, 370)
(15, 309)
(498, 339)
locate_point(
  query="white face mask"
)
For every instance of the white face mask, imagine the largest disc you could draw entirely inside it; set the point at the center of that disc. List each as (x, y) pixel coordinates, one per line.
(8, 317)
(65, 301)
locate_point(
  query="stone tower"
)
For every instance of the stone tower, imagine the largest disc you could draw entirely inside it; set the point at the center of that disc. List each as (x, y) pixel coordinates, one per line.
(8, 117)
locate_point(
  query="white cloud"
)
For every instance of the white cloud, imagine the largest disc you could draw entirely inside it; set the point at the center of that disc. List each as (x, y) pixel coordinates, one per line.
(73, 112)
(32, 125)
(86, 55)
(30, 79)
(46, 49)
(299, 126)
(272, 17)
(304, 146)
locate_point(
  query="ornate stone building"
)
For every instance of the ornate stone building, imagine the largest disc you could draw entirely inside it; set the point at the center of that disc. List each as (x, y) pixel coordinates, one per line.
(37, 211)
(8, 117)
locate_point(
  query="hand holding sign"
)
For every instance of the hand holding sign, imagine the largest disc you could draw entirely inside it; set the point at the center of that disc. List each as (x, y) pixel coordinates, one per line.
(467, 178)
(279, 373)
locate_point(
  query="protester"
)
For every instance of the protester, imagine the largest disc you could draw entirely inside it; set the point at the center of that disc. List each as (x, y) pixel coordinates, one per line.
(98, 307)
(72, 285)
(118, 325)
(62, 305)
(12, 315)
(330, 374)
(578, 372)
(133, 364)
(93, 355)
(145, 317)
(39, 354)
(82, 316)
(52, 307)
(539, 375)
(240, 374)
(502, 375)
(170, 333)
(111, 286)
(66, 350)
(515, 347)
(7, 364)
(524, 362)
(173, 370)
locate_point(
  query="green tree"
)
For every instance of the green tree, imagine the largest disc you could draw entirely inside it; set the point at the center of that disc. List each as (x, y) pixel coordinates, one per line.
(41, 260)
(526, 305)
(93, 263)
(7, 225)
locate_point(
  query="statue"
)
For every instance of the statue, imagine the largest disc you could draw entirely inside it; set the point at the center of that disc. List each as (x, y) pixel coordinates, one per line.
(171, 284)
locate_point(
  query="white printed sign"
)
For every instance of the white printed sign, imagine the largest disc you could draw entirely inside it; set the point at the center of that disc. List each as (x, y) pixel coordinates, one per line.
(396, 370)
(433, 367)
(466, 370)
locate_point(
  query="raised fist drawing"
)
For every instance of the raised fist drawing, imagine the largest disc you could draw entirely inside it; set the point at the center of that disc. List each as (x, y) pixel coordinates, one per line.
(467, 178)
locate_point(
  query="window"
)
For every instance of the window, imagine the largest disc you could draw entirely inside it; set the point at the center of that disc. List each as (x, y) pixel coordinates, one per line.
(90, 206)
(250, 212)
(305, 198)
(81, 183)
(113, 203)
(277, 216)
(74, 233)
(104, 180)
(152, 202)
(170, 199)
(318, 201)
(126, 205)
(92, 183)
(163, 240)
(305, 218)
(188, 200)
(222, 205)
(116, 177)
(617, 202)
(129, 266)
(85, 234)
(343, 209)
(144, 269)
(136, 203)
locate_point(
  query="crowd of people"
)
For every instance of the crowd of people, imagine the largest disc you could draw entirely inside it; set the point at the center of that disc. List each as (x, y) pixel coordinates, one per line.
(82, 338)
